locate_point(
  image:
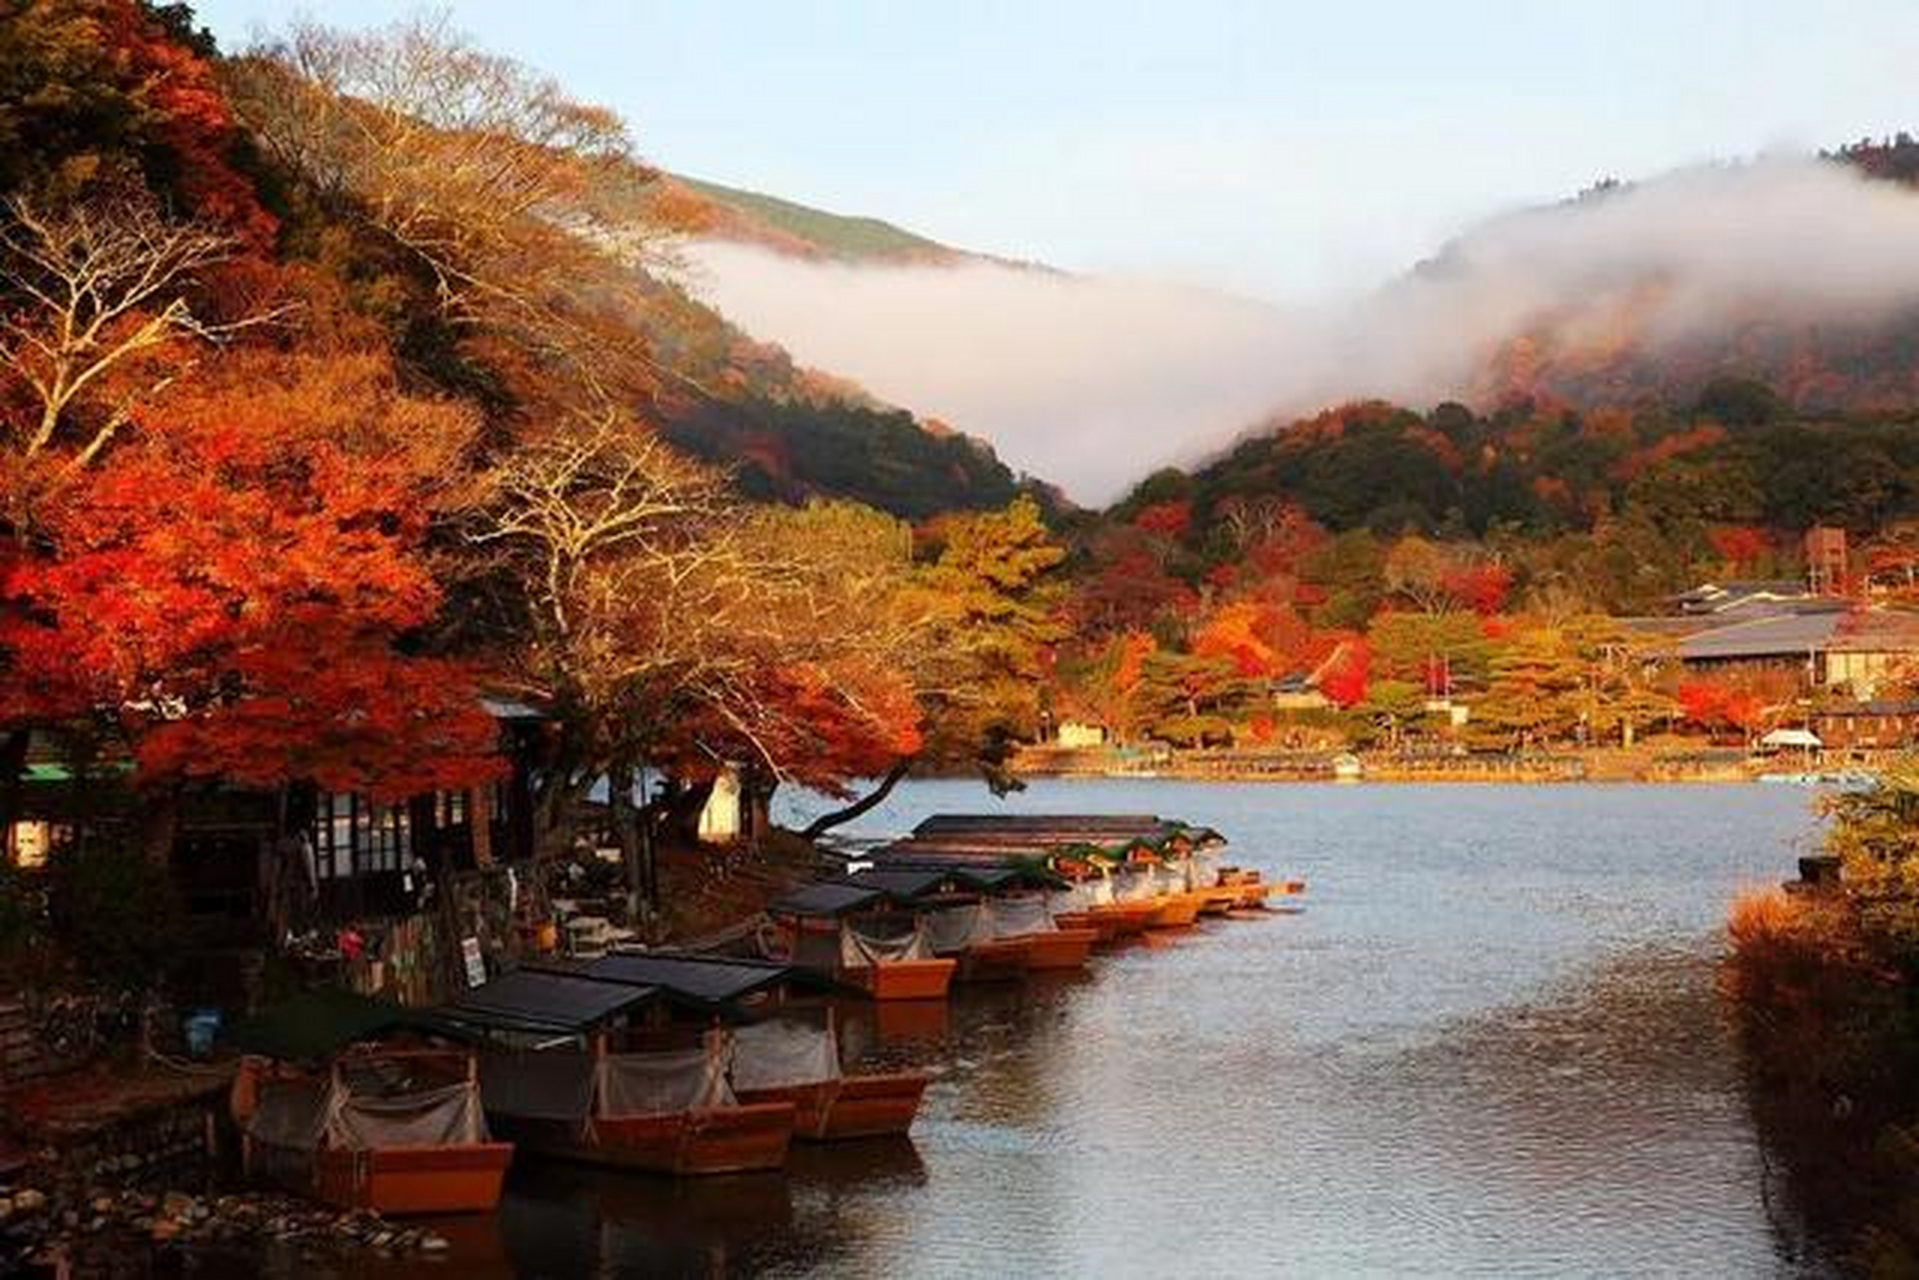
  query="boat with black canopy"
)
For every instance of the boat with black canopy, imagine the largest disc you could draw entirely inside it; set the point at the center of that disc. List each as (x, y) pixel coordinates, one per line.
(363, 1104)
(581, 1068)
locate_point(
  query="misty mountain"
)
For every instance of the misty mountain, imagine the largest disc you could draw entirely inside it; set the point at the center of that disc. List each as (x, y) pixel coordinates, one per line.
(1796, 270)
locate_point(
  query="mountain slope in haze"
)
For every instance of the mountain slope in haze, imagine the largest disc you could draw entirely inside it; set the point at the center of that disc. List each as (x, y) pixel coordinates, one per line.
(1799, 271)
(711, 211)
(1847, 342)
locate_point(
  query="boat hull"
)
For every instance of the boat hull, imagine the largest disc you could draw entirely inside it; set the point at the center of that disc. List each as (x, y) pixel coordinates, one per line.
(1175, 911)
(1107, 928)
(686, 1144)
(905, 979)
(409, 1180)
(861, 1106)
(1002, 960)
(1060, 949)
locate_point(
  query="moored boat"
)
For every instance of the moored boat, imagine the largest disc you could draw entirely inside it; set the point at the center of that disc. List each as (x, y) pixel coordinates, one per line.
(572, 1075)
(794, 1057)
(857, 936)
(344, 1099)
(789, 1049)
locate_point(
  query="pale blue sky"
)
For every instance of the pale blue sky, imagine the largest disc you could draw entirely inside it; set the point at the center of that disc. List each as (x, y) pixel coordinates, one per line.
(1278, 149)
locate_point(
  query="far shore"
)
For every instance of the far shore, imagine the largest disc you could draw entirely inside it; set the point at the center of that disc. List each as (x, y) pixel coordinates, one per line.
(1699, 766)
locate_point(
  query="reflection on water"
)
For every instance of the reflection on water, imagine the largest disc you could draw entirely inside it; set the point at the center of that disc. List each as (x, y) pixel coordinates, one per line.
(1490, 1046)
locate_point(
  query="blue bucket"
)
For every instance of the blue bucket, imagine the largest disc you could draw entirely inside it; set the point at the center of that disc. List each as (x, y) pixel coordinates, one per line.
(202, 1029)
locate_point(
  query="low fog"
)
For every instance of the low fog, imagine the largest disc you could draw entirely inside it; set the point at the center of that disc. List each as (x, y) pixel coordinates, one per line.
(1091, 382)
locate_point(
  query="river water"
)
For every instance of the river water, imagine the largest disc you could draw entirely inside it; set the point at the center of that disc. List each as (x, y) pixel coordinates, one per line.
(1490, 1045)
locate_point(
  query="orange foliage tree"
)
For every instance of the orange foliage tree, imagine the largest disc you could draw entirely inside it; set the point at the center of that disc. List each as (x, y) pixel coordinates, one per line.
(231, 587)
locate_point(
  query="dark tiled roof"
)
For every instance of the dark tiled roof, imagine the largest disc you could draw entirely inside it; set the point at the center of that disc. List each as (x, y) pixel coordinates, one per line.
(1775, 635)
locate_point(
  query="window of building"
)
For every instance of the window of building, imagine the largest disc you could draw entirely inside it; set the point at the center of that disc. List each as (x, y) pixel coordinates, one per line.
(355, 837)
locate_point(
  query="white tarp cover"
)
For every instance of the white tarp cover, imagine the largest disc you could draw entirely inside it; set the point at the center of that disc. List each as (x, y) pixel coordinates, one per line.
(1169, 878)
(290, 1113)
(548, 1084)
(1203, 870)
(1133, 884)
(447, 1116)
(638, 1084)
(871, 944)
(957, 928)
(1020, 915)
(782, 1052)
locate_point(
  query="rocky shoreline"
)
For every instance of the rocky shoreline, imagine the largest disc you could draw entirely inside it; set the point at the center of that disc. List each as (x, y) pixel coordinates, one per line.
(49, 1233)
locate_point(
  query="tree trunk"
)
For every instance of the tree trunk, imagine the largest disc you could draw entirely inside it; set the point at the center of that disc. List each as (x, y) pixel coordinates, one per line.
(872, 800)
(13, 764)
(159, 824)
(629, 836)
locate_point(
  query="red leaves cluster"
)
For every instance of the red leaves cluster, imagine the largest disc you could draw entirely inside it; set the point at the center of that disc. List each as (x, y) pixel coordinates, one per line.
(1482, 586)
(236, 585)
(1345, 676)
(190, 119)
(1715, 702)
(1167, 519)
(1739, 545)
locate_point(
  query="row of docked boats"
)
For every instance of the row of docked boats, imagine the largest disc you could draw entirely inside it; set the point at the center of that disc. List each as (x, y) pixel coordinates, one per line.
(991, 897)
(686, 1063)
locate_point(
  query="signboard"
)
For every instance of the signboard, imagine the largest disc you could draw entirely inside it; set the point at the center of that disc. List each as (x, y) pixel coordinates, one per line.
(475, 962)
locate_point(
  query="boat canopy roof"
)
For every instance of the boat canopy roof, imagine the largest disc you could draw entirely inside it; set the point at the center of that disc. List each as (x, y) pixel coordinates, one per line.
(542, 1000)
(910, 862)
(1078, 835)
(708, 981)
(325, 1021)
(826, 899)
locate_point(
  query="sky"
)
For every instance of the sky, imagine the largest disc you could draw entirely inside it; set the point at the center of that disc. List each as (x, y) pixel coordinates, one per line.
(1283, 151)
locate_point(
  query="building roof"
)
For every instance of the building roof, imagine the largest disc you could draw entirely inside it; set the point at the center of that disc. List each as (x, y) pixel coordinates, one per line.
(1779, 635)
(1714, 597)
(1874, 708)
(1878, 631)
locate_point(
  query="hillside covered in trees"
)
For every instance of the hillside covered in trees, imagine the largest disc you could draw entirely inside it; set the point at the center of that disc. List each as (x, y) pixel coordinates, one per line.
(341, 381)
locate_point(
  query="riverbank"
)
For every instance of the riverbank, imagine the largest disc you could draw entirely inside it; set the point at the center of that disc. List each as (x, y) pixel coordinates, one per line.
(1612, 764)
(1820, 981)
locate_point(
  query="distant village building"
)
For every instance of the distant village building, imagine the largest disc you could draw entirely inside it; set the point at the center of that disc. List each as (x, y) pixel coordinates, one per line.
(1882, 725)
(1727, 597)
(1080, 735)
(1828, 571)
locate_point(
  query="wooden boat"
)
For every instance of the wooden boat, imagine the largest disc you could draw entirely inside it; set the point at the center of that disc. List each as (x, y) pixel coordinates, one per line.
(847, 932)
(1175, 911)
(384, 1126)
(564, 1079)
(795, 1059)
(780, 1046)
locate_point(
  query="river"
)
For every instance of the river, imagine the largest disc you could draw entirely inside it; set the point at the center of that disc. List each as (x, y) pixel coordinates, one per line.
(1490, 1045)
